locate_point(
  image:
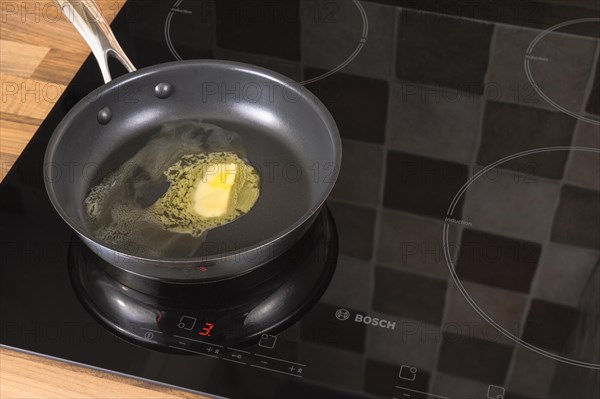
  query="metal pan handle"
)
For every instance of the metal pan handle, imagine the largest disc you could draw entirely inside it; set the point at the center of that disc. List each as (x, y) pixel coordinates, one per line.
(87, 18)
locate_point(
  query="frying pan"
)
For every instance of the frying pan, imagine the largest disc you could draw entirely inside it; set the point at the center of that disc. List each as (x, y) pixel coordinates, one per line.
(288, 134)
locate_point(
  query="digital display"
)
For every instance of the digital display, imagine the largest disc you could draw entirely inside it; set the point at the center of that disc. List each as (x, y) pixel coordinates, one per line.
(205, 331)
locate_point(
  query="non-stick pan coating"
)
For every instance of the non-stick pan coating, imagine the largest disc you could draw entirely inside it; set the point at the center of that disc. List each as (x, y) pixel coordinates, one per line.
(287, 132)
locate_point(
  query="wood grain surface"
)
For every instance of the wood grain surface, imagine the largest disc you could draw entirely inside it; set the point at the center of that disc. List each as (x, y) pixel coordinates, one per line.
(28, 376)
(39, 54)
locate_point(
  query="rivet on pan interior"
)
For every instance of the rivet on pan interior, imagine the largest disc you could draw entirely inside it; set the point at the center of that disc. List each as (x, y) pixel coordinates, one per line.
(163, 90)
(104, 116)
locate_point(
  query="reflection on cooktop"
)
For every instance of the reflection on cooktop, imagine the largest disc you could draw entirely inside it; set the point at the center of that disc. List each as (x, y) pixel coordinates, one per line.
(181, 317)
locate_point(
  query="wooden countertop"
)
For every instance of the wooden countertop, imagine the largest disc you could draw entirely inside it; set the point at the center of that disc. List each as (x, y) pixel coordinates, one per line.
(39, 54)
(28, 376)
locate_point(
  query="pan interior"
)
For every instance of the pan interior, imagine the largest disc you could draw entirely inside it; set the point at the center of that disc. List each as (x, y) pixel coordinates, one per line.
(285, 195)
(292, 146)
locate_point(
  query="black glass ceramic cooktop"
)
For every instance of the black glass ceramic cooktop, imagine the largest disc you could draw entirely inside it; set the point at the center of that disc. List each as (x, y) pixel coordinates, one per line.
(467, 212)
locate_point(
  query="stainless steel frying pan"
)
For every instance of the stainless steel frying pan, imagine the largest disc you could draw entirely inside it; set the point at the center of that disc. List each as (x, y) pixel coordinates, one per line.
(287, 132)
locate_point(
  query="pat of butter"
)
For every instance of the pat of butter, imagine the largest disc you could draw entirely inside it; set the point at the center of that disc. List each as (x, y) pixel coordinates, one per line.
(213, 192)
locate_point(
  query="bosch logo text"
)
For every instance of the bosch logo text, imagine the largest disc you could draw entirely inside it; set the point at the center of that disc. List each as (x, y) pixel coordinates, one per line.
(344, 314)
(375, 321)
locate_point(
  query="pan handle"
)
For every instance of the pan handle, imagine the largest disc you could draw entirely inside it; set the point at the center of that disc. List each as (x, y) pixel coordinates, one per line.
(87, 18)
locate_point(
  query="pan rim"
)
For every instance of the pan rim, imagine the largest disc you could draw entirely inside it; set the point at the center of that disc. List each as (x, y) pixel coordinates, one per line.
(306, 95)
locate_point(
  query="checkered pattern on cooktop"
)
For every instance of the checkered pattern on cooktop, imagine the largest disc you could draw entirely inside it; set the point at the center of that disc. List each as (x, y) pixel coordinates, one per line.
(431, 100)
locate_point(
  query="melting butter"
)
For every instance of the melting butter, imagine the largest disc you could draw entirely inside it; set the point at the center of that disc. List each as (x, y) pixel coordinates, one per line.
(188, 178)
(213, 192)
(207, 191)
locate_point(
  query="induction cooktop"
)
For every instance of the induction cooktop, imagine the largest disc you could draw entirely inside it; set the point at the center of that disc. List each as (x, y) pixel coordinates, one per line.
(456, 258)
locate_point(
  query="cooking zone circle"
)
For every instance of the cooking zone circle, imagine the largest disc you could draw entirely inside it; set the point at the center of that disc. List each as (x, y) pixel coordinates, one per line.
(535, 59)
(184, 9)
(474, 190)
